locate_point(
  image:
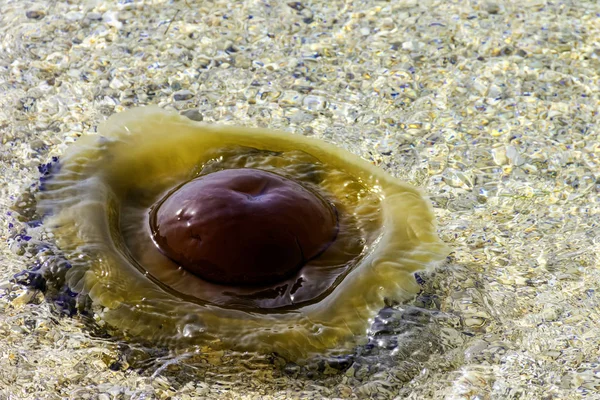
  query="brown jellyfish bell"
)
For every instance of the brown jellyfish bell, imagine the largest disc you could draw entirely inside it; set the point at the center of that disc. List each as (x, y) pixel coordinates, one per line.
(186, 234)
(243, 226)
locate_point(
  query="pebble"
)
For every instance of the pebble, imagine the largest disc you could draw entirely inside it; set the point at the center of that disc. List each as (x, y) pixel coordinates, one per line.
(301, 117)
(315, 103)
(492, 8)
(410, 45)
(111, 18)
(74, 16)
(513, 155)
(94, 16)
(117, 84)
(499, 155)
(6, 285)
(182, 95)
(35, 14)
(193, 114)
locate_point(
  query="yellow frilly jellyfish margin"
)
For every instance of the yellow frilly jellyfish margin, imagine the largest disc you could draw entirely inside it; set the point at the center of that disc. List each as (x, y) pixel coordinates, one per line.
(148, 146)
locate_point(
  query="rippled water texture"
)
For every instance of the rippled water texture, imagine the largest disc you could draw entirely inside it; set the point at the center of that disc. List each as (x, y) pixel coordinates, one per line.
(97, 205)
(490, 106)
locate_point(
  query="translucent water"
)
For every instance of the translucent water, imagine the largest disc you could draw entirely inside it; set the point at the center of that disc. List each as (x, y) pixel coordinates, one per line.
(490, 107)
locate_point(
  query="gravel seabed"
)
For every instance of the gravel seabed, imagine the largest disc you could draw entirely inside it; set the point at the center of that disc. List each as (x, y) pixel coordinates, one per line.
(489, 106)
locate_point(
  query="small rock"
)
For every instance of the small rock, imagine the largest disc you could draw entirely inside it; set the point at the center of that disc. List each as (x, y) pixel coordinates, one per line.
(291, 368)
(111, 18)
(117, 84)
(27, 103)
(24, 298)
(6, 285)
(388, 24)
(35, 145)
(301, 117)
(514, 156)
(410, 46)
(193, 114)
(350, 371)
(494, 91)
(315, 103)
(114, 391)
(35, 14)
(182, 95)
(492, 8)
(550, 313)
(307, 13)
(73, 16)
(403, 4)
(499, 156)
(296, 5)
(340, 363)
(93, 16)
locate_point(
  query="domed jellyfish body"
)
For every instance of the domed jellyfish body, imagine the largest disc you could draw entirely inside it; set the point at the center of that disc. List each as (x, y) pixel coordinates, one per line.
(99, 203)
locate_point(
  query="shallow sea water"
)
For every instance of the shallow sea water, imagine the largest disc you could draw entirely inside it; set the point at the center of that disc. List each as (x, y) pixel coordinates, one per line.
(489, 107)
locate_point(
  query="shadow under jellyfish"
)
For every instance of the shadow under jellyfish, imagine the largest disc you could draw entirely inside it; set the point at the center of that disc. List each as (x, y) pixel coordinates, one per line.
(186, 234)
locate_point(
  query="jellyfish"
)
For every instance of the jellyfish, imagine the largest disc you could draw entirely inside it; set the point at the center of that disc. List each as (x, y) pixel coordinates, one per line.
(182, 233)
